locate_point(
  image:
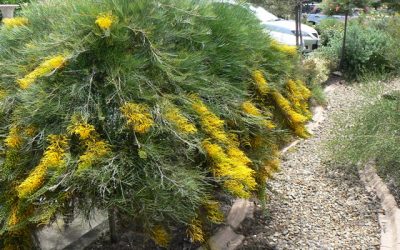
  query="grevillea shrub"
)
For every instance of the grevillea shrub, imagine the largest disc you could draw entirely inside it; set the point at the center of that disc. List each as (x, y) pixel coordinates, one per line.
(146, 107)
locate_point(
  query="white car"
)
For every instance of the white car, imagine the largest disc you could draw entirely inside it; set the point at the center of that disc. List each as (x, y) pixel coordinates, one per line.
(284, 31)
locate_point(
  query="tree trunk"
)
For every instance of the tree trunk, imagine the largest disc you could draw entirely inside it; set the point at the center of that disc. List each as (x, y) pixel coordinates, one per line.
(297, 24)
(112, 225)
(341, 65)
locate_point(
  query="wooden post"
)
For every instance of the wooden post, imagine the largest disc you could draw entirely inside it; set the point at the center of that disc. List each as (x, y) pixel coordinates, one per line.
(344, 39)
(297, 23)
(300, 17)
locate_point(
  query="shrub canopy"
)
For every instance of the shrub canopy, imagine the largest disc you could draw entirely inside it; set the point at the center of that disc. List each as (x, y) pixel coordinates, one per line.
(149, 107)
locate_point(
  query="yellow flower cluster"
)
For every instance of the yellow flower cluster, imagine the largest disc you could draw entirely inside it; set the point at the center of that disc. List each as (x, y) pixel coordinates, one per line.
(80, 128)
(15, 22)
(297, 121)
(105, 20)
(210, 123)
(261, 82)
(286, 107)
(195, 231)
(270, 167)
(160, 236)
(13, 219)
(181, 122)
(138, 116)
(14, 138)
(43, 69)
(232, 167)
(213, 210)
(95, 150)
(53, 157)
(286, 49)
(299, 95)
(3, 94)
(249, 108)
(30, 131)
(55, 152)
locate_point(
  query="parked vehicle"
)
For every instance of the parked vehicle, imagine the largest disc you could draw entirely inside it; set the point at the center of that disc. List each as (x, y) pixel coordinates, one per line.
(316, 15)
(284, 31)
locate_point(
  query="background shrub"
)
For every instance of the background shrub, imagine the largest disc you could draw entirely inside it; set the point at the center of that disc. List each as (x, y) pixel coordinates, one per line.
(368, 49)
(329, 28)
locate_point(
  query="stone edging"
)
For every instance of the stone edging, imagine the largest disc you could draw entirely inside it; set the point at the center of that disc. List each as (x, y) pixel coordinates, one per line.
(390, 219)
(89, 237)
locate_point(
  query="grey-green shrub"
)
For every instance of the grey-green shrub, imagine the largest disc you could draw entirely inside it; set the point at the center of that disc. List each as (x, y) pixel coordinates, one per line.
(368, 49)
(329, 28)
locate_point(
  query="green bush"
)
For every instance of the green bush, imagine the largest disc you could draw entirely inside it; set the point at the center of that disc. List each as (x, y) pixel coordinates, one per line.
(148, 107)
(329, 28)
(368, 49)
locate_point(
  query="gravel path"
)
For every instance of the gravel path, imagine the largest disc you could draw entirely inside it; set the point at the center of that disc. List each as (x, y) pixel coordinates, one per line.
(315, 206)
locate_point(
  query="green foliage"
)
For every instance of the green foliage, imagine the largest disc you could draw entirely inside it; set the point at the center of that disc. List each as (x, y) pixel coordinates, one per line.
(316, 71)
(138, 105)
(392, 4)
(371, 133)
(329, 28)
(14, 1)
(368, 49)
(332, 7)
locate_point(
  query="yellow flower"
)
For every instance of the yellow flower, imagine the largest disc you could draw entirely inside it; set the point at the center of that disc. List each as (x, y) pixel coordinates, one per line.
(236, 188)
(213, 210)
(261, 83)
(80, 128)
(32, 182)
(305, 92)
(232, 167)
(160, 236)
(210, 123)
(181, 122)
(301, 131)
(270, 167)
(250, 109)
(138, 116)
(287, 109)
(3, 94)
(43, 69)
(105, 20)
(286, 49)
(13, 219)
(14, 138)
(15, 22)
(55, 152)
(53, 157)
(30, 130)
(299, 95)
(195, 231)
(95, 151)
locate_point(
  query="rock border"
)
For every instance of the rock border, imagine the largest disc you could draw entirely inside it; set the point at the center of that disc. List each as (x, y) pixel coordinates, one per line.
(389, 220)
(89, 237)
